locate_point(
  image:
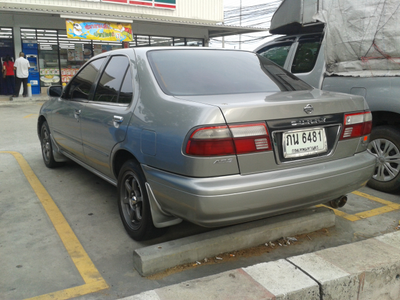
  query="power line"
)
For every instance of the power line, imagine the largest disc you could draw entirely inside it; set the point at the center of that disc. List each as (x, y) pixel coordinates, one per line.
(250, 14)
(253, 15)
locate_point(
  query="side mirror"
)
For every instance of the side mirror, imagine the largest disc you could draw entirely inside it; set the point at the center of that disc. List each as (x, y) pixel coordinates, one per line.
(55, 91)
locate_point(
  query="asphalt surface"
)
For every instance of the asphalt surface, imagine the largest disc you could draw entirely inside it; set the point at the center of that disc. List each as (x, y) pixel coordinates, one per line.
(95, 260)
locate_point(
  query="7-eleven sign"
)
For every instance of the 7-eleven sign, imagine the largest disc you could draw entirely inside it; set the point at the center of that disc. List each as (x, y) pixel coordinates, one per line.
(171, 4)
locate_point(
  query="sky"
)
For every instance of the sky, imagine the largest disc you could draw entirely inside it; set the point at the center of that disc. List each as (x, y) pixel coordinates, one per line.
(254, 13)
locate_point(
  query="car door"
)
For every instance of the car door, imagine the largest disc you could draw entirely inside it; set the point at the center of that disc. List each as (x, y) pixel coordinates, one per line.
(105, 118)
(66, 119)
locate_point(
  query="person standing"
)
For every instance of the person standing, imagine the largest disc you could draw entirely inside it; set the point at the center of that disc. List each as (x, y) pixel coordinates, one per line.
(8, 69)
(21, 66)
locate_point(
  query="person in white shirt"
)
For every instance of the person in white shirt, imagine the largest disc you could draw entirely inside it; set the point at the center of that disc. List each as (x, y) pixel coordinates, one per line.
(21, 65)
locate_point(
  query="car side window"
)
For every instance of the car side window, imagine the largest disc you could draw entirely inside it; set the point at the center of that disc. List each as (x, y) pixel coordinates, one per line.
(115, 78)
(276, 52)
(126, 93)
(81, 84)
(306, 54)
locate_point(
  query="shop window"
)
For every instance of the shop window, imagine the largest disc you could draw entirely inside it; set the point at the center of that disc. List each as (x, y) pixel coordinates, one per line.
(142, 40)
(6, 33)
(28, 34)
(111, 80)
(195, 42)
(105, 46)
(49, 64)
(161, 41)
(179, 42)
(6, 42)
(72, 57)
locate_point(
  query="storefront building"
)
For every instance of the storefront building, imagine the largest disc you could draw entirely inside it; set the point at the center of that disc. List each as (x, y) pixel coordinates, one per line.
(59, 36)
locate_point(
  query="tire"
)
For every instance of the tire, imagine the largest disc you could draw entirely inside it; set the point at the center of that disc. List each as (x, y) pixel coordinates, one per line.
(385, 145)
(47, 147)
(133, 202)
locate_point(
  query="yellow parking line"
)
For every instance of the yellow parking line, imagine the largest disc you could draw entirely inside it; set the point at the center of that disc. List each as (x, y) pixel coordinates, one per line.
(388, 207)
(94, 282)
(77, 291)
(374, 212)
(376, 199)
(342, 214)
(28, 116)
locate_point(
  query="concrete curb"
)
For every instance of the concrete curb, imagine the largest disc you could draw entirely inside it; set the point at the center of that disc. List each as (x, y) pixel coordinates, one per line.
(4, 100)
(152, 259)
(364, 270)
(367, 270)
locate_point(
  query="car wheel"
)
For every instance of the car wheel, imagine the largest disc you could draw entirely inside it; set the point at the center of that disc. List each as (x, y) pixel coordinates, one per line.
(47, 147)
(133, 202)
(385, 145)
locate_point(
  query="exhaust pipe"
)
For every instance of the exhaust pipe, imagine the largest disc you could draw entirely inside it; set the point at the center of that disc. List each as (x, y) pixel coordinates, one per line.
(340, 202)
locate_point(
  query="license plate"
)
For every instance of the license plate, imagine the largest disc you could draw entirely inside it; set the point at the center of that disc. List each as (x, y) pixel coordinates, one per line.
(298, 143)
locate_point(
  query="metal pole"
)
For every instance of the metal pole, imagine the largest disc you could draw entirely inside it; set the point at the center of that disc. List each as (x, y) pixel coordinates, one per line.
(223, 38)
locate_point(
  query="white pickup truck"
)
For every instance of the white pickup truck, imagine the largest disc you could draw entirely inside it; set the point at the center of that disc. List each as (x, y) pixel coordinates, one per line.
(349, 46)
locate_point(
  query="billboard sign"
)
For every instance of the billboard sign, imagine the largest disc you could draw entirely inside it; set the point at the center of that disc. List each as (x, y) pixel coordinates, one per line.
(96, 30)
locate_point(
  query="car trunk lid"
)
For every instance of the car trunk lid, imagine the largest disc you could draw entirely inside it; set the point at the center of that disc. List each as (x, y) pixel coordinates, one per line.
(291, 116)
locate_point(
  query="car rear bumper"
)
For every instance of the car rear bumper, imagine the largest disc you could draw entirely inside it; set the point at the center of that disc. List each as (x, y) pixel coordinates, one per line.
(232, 199)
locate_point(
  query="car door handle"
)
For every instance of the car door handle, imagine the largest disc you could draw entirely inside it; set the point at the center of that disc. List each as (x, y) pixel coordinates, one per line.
(77, 113)
(117, 121)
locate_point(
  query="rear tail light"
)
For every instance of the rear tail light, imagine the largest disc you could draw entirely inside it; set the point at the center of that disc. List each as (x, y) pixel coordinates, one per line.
(229, 140)
(357, 125)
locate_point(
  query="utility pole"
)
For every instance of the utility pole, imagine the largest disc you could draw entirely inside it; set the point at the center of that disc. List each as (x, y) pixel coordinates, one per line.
(240, 24)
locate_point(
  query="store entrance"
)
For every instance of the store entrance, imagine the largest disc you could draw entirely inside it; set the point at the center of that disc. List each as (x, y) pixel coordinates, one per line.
(61, 57)
(6, 48)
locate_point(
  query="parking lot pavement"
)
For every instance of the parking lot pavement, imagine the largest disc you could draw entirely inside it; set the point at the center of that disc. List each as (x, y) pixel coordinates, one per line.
(35, 261)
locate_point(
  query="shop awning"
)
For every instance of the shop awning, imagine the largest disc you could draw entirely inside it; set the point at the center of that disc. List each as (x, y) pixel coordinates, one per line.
(214, 30)
(217, 30)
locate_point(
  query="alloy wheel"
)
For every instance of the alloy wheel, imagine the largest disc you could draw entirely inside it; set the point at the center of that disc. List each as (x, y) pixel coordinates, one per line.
(388, 159)
(132, 200)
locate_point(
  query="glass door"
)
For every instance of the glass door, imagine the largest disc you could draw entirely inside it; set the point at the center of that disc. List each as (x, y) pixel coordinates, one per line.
(49, 65)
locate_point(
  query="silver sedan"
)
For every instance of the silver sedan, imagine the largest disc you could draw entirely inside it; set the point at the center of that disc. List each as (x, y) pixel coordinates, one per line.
(212, 136)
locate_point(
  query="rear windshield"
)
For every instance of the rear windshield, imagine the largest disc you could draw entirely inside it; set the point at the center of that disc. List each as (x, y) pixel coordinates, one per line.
(214, 72)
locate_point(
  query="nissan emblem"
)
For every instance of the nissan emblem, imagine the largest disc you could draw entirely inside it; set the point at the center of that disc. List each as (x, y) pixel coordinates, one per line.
(308, 109)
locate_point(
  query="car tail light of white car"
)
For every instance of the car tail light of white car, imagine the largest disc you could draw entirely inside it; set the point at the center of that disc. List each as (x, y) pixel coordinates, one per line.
(229, 140)
(357, 125)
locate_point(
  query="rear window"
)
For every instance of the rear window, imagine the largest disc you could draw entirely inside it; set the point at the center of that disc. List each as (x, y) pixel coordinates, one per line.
(214, 72)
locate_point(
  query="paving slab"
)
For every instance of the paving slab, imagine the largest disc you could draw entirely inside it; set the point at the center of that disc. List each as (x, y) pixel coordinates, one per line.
(284, 280)
(159, 257)
(367, 270)
(269, 281)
